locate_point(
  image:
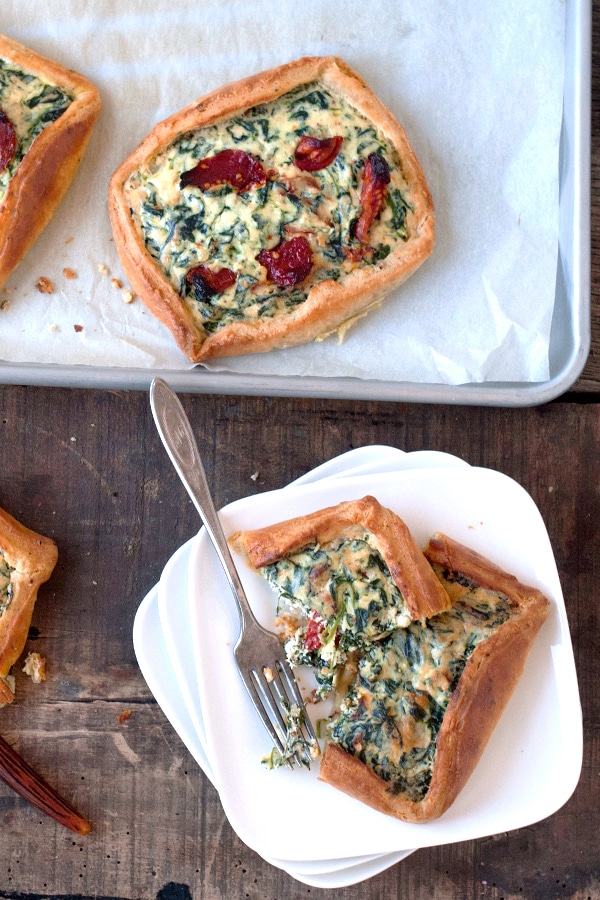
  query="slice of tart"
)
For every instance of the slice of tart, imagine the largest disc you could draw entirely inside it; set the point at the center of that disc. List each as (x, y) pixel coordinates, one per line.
(272, 211)
(345, 576)
(416, 711)
(27, 560)
(47, 114)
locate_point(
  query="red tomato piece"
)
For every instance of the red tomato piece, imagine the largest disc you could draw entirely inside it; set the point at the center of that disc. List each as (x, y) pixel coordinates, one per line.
(314, 628)
(289, 262)
(237, 168)
(372, 195)
(8, 140)
(208, 282)
(314, 153)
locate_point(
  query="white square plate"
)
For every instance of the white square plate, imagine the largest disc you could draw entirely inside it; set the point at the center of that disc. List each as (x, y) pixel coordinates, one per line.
(537, 746)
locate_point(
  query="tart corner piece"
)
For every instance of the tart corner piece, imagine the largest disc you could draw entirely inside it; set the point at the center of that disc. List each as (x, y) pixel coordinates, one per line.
(27, 560)
(272, 211)
(48, 113)
(476, 702)
(364, 521)
(345, 578)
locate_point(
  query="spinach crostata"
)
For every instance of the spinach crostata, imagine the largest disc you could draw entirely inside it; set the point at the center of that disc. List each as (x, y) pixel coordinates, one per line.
(27, 560)
(345, 576)
(420, 650)
(273, 211)
(47, 115)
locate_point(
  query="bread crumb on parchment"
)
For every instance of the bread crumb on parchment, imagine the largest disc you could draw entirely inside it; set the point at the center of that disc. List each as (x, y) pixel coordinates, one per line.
(45, 285)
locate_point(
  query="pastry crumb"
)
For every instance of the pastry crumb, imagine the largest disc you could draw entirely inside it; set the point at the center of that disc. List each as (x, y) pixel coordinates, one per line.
(254, 476)
(78, 328)
(45, 285)
(5, 304)
(53, 327)
(69, 273)
(128, 296)
(35, 667)
(124, 716)
(116, 283)
(102, 269)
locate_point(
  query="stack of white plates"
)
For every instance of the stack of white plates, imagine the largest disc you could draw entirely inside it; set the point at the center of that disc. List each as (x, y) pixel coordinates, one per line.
(186, 626)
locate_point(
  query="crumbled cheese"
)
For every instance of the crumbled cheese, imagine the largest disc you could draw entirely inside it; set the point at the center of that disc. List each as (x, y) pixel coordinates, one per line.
(128, 296)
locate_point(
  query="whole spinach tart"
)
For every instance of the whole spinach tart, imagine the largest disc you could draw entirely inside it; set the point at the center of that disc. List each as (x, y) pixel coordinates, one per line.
(272, 211)
(47, 115)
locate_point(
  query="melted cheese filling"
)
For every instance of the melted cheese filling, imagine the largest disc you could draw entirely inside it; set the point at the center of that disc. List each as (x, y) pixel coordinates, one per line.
(31, 105)
(5, 584)
(185, 228)
(395, 706)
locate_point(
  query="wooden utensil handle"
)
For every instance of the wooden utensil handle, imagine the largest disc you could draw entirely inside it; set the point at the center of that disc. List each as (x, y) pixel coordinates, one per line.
(18, 775)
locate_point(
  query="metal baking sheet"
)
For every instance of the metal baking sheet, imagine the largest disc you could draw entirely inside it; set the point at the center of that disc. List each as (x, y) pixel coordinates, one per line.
(570, 332)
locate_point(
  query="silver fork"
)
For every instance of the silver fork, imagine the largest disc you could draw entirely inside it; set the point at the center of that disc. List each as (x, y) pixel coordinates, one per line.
(259, 653)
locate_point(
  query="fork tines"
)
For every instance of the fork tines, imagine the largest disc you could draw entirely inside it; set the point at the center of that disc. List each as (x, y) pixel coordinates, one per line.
(276, 696)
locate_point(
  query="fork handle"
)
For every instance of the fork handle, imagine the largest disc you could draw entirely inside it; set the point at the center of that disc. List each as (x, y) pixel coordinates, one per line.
(176, 433)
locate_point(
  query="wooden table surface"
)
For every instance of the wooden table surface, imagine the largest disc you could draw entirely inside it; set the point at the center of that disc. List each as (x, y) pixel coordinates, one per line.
(86, 467)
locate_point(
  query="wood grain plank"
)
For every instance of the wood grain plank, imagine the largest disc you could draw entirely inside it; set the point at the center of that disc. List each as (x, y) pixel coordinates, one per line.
(117, 511)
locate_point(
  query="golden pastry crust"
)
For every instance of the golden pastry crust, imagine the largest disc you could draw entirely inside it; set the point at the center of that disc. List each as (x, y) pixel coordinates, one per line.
(31, 558)
(48, 167)
(483, 690)
(330, 306)
(410, 571)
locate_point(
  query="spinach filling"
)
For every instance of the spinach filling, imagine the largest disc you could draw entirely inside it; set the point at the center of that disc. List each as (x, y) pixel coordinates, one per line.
(31, 105)
(344, 591)
(6, 588)
(394, 709)
(182, 229)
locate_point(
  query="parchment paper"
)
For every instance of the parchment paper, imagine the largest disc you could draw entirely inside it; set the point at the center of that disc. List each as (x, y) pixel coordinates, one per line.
(478, 87)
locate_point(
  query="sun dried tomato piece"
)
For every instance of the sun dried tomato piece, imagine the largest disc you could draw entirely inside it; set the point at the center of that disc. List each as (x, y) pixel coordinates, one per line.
(8, 140)
(208, 282)
(237, 168)
(314, 629)
(289, 262)
(314, 153)
(376, 178)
